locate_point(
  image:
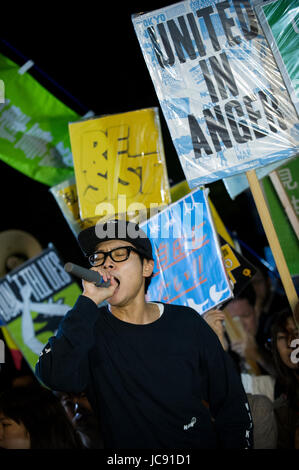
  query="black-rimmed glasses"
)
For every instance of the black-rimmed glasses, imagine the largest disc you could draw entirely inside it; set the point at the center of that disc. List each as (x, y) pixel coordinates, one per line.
(118, 255)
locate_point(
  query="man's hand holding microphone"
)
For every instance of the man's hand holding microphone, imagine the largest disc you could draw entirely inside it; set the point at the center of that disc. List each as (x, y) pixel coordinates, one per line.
(98, 284)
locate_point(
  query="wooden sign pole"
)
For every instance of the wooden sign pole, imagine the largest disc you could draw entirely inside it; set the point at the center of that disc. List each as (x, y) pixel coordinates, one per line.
(270, 232)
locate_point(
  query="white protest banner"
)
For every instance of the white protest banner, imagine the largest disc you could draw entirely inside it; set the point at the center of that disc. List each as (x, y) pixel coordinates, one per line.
(236, 184)
(219, 87)
(279, 20)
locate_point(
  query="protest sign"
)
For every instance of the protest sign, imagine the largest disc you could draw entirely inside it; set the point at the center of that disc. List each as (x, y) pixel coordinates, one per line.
(239, 269)
(34, 139)
(278, 254)
(279, 20)
(66, 196)
(289, 176)
(290, 205)
(33, 299)
(236, 184)
(189, 269)
(182, 188)
(119, 163)
(2, 91)
(16, 354)
(219, 87)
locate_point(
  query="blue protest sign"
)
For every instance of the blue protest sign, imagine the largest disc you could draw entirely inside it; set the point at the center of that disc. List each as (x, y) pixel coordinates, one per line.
(189, 269)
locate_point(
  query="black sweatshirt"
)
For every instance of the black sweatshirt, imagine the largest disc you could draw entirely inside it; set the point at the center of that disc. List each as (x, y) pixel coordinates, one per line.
(150, 384)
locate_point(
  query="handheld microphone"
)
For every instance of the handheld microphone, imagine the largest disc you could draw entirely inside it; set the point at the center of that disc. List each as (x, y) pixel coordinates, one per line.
(86, 274)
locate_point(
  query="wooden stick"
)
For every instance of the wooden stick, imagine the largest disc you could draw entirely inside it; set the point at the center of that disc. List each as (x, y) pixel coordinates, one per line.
(279, 258)
(284, 199)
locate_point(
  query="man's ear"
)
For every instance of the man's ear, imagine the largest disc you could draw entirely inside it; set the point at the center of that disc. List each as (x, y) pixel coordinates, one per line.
(148, 267)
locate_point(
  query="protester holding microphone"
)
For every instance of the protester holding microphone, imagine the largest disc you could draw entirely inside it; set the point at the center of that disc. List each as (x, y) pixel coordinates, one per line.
(155, 374)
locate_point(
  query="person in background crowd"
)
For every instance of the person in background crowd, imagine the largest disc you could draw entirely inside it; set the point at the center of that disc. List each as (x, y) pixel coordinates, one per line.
(268, 303)
(262, 285)
(261, 407)
(243, 307)
(33, 418)
(82, 417)
(285, 348)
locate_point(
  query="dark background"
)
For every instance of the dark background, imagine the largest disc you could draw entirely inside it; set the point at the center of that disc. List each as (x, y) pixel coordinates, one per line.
(93, 53)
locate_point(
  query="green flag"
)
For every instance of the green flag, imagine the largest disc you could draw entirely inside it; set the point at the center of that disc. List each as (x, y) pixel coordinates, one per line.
(34, 136)
(289, 176)
(280, 23)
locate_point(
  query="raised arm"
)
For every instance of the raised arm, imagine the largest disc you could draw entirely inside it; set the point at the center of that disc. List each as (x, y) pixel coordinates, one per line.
(63, 363)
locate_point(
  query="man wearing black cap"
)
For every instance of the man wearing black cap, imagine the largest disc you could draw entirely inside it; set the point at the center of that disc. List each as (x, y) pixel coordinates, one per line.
(155, 374)
(129, 245)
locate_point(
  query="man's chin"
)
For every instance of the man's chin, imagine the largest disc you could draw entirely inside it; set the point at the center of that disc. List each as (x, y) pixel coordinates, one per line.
(114, 301)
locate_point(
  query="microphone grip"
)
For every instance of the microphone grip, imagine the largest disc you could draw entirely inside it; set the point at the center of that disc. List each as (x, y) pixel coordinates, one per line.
(86, 274)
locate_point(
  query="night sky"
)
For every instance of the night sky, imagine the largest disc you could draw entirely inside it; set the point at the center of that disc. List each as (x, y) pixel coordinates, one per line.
(93, 53)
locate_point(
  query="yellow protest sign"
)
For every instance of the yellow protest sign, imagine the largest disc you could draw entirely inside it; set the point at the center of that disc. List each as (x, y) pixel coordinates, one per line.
(119, 156)
(66, 196)
(69, 195)
(230, 260)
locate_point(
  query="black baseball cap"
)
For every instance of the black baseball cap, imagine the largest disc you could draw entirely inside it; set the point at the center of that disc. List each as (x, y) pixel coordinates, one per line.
(89, 238)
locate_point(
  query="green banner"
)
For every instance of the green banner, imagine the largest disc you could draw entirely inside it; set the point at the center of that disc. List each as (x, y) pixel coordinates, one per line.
(289, 176)
(280, 22)
(34, 136)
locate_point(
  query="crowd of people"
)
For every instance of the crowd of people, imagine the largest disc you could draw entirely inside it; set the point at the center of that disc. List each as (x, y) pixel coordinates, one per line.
(256, 329)
(266, 358)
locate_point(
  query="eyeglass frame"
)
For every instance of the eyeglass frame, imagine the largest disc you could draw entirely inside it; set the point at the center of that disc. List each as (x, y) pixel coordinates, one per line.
(108, 253)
